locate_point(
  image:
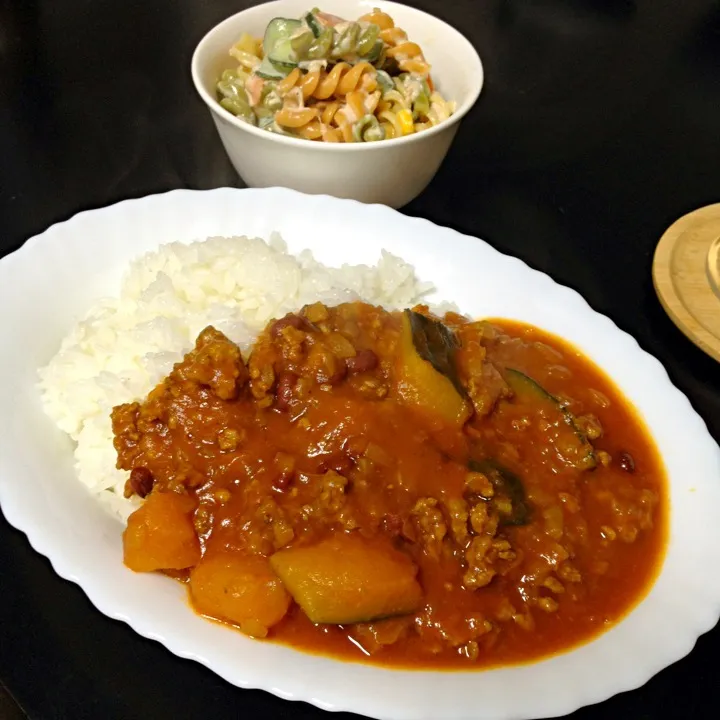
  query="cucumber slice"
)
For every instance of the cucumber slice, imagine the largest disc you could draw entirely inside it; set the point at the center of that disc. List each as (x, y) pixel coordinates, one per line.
(571, 445)
(301, 43)
(313, 23)
(283, 57)
(278, 29)
(265, 121)
(268, 71)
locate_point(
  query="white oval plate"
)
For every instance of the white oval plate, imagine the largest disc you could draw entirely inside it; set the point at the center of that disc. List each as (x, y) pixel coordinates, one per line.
(48, 284)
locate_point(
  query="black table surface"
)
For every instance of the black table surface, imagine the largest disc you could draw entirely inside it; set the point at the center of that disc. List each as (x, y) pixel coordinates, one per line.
(598, 126)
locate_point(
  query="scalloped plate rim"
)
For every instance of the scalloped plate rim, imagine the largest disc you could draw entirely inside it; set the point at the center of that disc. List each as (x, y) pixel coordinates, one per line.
(553, 705)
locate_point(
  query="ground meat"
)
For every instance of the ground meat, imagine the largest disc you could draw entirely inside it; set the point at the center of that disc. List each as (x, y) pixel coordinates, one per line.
(479, 518)
(229, 439)
(126, 439)
(325, 498)
(590, 426)
(215, 362)
(292, 344)
(457, 510)
(324, 366)
(278, 531)
(479, 571)
(332, 492)
(430, 524)
(262, 378)
(486, 389)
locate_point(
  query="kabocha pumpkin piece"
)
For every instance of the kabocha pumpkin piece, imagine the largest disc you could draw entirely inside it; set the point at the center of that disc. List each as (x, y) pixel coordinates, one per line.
(425, 373)
(348, 579)
(509, 498)
(160, 534)
(241, 589)
(570, 442)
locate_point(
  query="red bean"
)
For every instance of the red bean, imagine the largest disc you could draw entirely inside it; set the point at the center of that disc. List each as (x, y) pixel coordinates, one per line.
(341, 464)
(285, 388)
(141, 481)
(627, 463)
(362, 362)
(283, 480)
(290, 320)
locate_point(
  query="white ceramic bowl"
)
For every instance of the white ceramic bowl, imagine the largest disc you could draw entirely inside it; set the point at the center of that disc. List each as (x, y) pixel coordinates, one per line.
(391, 172)
(50, 283)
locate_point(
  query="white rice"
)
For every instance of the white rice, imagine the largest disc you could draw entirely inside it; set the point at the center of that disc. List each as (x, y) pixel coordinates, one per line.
(127, 344)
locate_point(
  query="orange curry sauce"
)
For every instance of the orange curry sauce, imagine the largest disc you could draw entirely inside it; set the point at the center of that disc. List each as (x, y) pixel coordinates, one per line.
(505, 482)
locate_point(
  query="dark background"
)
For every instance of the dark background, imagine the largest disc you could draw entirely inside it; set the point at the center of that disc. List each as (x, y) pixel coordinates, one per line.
(598, 126)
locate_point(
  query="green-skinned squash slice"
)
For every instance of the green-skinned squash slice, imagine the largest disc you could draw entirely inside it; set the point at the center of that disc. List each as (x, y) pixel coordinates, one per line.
(347, 579)
(570, 443)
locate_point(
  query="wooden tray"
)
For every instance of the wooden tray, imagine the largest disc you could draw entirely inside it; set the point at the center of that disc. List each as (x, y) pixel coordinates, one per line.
(686, 274)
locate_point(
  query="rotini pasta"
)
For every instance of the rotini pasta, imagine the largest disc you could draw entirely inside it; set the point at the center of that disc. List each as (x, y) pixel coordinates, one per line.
(328, 79)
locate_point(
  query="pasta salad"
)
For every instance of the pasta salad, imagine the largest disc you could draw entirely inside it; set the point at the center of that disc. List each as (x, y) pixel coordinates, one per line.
(334, 80)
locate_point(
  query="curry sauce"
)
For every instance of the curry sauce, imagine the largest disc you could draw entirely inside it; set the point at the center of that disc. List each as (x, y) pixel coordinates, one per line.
(396, 488)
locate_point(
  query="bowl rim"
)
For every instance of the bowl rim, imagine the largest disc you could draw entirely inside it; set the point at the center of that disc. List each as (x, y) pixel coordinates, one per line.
(477, 75)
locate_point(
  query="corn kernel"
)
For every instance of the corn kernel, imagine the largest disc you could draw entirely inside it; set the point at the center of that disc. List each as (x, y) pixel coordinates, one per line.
(405, 119)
